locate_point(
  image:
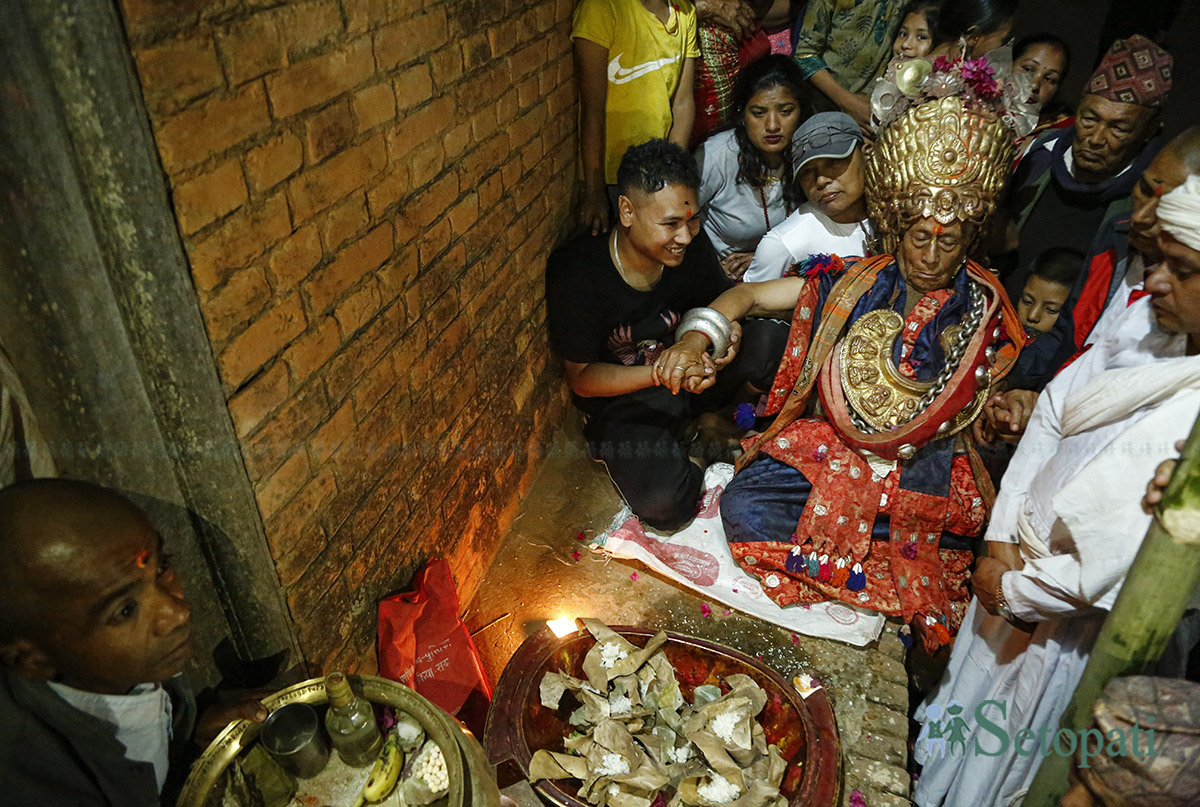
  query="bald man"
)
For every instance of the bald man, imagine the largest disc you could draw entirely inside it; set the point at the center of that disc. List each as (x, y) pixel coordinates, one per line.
(94, 632)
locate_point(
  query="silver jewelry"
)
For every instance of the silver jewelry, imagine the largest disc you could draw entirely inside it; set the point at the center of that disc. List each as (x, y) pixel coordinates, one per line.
(711, 323)
(621, 266)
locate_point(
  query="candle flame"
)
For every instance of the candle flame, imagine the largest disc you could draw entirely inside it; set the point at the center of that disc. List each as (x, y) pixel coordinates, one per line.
(562, 626)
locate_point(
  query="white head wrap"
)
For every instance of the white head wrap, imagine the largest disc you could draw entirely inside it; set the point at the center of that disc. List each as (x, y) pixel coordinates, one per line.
(1179, 212)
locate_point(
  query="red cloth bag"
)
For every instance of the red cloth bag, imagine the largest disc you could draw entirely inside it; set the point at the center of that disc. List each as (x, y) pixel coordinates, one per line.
(423, 644)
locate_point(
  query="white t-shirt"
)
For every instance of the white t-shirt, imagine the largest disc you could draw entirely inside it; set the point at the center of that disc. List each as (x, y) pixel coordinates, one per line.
(734, 216)
(806, 232)
(142, 718)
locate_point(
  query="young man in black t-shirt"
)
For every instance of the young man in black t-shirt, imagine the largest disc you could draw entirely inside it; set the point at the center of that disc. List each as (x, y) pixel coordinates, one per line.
(613, 302)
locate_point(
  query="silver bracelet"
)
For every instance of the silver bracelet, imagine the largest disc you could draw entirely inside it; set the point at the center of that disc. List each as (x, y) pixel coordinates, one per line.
(711, 323)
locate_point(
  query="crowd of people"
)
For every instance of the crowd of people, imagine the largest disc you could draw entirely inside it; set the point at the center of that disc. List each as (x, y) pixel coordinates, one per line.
(947, 317)
(939, 317)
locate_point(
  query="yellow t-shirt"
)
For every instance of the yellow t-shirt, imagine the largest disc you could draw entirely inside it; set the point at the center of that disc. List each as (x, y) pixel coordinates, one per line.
(645, 59)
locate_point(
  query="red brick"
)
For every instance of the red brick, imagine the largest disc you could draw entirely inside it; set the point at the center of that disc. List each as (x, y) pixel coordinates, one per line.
(397, 274)
(374, 384)
(291, 261)
(351, 264)
(286, 432)
(457, 140)
(330, 436)
(260, 397)
(373, 106)
(328, 131)
(447, 66)
(305, 26)
(433, 241)
(294, 534)
(392, 187)
(339, 176)
(464, 214)
(241, 238)
(362, 352)
(148, 18)
(476, 51)
(429, 121)
(410, 39)
(413, 86)
(433, 201)
(490, 191)
(344, 222)
(317, 80)
(501, 38)
(250, 48)
(310, 352)
(277, 490)
(211, 127)
(273, 162)
(265, 338)
(358, 308)
(426, 162)
(178, 72)
(209, 196)
(236, 303)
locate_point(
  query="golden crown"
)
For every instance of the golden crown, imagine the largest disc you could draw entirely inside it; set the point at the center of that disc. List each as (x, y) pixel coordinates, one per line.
(939, 159)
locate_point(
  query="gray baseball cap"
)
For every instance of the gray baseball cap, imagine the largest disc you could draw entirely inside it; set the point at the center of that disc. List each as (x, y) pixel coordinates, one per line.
(826, 134)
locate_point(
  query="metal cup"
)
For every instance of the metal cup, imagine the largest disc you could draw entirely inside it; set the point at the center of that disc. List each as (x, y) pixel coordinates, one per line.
(292, 735)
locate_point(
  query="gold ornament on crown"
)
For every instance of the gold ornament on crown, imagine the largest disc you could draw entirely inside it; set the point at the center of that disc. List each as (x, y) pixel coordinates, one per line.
(939, 159)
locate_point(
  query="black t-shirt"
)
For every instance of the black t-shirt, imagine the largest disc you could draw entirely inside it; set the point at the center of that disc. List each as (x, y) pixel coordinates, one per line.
(593, 315)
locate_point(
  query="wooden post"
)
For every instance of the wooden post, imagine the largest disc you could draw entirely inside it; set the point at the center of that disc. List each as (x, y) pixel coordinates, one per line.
(1156, 591)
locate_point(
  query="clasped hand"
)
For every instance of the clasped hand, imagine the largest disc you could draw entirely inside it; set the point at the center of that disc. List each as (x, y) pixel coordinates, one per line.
(686, 365)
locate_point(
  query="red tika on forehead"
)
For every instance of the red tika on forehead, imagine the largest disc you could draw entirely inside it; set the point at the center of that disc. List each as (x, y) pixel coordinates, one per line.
(142, 559)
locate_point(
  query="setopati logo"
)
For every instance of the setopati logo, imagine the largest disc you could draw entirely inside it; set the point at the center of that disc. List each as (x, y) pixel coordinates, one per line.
(949, 731)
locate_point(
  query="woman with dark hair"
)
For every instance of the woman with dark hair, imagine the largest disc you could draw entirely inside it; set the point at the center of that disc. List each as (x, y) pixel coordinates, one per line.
(1045, 58)
(746, 172)
(972, 27)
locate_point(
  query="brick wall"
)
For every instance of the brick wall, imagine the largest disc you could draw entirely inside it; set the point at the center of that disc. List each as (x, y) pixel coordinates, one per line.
(367, 191)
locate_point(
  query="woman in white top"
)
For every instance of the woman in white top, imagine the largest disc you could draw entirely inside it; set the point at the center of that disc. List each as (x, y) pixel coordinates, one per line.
(829, 171)
(747, 184)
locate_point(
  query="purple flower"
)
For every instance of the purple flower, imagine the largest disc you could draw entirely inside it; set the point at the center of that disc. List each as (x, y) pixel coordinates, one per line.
(743, 416)
(856, 799)
(909, 550)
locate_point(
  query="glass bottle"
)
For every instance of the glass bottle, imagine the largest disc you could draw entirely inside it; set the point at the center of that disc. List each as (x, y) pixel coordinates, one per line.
(350, 722)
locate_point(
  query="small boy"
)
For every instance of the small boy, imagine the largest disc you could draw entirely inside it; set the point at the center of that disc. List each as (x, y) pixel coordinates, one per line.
(1051, 276)
(94, 632)
(635, 68)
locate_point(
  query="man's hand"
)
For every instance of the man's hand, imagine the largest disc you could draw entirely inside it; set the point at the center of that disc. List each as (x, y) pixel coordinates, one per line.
(1008, 412)
(593, 211)
(986, 580)
(1158, 483)
(683, 360)
(735, 264)
(735, 15)
(1008, 554)
(217, 717)
(858, 107)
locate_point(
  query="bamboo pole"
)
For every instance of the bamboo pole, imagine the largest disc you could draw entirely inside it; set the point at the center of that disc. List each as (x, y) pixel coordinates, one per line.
(1153, 598)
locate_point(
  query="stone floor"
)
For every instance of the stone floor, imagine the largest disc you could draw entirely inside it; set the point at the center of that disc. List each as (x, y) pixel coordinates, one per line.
(535, 578)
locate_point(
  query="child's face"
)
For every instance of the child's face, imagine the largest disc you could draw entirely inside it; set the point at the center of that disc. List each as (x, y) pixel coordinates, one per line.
(114, 613)
(1041, 303)
(914, 38)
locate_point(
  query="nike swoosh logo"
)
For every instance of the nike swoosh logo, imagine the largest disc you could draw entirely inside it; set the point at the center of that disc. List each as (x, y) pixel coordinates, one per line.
(624, 75)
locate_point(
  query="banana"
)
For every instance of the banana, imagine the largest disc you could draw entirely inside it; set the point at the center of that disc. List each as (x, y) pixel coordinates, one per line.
(384, 773)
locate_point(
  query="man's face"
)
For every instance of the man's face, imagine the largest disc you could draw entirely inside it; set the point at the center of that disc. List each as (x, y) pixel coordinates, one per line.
(1040, 304)
(661, 224)
(1108, 135)
(835, 185)
(930, 254)
(1164, 174)
(111, 611)
(1174, 287)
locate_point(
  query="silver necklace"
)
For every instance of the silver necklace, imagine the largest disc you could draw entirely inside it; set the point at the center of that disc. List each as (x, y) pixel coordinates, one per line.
(621, 267)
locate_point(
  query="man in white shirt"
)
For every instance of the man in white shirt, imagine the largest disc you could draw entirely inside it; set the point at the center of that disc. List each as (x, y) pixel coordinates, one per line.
(94, 631)
(829, 167)
(1066, 527)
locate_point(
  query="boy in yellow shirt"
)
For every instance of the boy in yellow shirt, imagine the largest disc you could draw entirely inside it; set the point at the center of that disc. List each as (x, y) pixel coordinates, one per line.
(634, 61)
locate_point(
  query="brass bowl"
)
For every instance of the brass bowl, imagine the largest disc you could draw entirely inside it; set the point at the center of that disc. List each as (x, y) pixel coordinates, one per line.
(472, 781)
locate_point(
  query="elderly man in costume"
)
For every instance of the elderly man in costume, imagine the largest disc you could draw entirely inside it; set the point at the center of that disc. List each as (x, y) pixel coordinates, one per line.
(1076, 182)
(1068, 523)
(863, 488)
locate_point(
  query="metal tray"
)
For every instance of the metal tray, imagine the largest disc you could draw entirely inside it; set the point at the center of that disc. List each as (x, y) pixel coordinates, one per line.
(804, 730)
(472, 779)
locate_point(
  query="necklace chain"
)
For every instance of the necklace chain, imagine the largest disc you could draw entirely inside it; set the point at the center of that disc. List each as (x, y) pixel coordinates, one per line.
(621, 266)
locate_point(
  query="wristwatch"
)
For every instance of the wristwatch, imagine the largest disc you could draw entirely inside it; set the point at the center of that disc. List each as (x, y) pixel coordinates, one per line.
(1005, 612)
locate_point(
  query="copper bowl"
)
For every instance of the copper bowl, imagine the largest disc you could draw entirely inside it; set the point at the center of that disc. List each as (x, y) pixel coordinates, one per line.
(804, 730)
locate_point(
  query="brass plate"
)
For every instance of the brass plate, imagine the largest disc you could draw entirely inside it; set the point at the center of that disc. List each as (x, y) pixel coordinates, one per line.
(479, 791)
